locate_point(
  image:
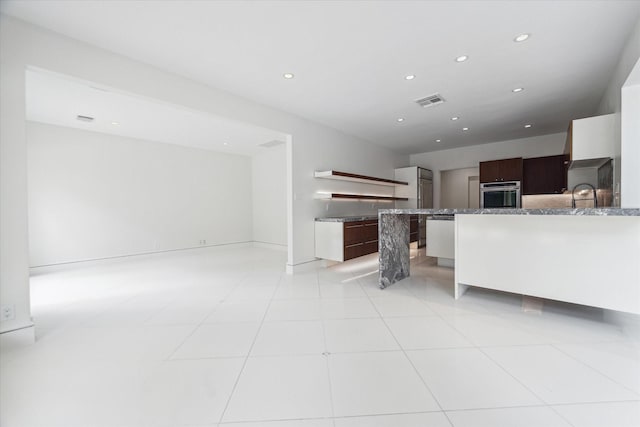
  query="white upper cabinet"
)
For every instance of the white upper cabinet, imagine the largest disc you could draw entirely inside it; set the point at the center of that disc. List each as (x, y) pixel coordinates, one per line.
(591, 138)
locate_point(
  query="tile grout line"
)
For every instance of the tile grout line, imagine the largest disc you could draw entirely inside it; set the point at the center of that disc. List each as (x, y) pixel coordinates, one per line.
(326, 355)
(409, 360)
(516, 378)
(203, 321)
(594, 369)
(470, 341)
(479, 348)
(246, 359)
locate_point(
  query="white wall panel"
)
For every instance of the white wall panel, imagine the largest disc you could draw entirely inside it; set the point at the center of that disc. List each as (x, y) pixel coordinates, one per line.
(94, 195)
(269, 190)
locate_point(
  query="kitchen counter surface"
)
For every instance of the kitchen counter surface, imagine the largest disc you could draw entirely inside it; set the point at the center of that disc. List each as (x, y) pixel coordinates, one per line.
(441, 217)
(549, 211)
(347, 218)
(437, 215)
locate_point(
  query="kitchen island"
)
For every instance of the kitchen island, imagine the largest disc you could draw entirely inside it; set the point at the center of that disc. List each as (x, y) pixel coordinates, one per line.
(582, 256)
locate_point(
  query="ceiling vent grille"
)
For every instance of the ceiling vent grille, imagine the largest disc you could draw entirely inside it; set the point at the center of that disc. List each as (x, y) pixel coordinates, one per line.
(273, 143)
(84, 118)
(431, 100)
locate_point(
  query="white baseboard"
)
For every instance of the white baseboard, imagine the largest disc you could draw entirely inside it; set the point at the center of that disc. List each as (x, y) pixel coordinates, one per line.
(273, 246)
(39, 268)
(446, 262)
(304, 267)
(17, 338)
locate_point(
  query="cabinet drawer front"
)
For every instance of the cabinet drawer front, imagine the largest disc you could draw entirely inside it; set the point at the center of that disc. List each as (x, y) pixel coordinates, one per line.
(353, 232)
(370, 247)
(353, 251)
(370, 231)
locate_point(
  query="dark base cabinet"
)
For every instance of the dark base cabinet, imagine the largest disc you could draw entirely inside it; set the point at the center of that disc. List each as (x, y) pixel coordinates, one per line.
(413, 228)
(545, 175)
(342, 241)
(360, 238)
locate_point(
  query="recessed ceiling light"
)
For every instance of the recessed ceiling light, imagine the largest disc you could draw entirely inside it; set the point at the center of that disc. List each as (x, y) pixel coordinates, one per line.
(400, 119)
(438, 140)
(82, 118)
(455, 118)
(462, 58)
(518, 89)
(115, 123)
(225, 143)
(287, 75)
(465, 129)
(527, 126)
(521, 38)
(409, 77)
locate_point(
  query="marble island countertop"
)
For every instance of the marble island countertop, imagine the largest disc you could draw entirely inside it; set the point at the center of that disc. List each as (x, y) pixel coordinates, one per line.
(548, 211)
(348, 218)
(448, 214)
(438, 216)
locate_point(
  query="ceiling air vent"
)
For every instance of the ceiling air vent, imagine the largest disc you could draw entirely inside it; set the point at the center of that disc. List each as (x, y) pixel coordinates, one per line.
(273, 143)
(430, 100)
(84, 118)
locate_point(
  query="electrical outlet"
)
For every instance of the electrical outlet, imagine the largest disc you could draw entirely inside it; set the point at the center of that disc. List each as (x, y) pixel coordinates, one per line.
(7, 312)
(204, 241)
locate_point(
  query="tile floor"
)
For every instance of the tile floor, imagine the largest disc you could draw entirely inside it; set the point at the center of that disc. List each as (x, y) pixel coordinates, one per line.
(221, 336)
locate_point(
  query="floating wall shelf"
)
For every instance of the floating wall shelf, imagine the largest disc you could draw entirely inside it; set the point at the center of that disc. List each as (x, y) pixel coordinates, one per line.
(345, 176)
(327, 196)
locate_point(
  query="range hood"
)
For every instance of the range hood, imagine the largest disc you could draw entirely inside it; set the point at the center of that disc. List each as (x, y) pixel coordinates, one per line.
(588, 163)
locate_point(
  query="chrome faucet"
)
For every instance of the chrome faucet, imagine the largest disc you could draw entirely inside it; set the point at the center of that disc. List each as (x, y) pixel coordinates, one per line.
(583, 192)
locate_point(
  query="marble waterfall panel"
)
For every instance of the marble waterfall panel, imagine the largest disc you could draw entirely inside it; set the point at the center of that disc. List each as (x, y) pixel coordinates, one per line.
(393, 241)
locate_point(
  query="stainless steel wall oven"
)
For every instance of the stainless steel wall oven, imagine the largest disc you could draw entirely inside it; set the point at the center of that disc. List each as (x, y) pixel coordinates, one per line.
(500, 194)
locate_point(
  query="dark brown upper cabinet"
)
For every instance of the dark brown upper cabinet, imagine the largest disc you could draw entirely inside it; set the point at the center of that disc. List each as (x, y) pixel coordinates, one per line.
(501, 170)
(545, 175)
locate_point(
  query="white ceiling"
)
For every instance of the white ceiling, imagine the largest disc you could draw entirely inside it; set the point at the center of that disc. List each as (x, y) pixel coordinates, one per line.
(57, 100)
(350, 58)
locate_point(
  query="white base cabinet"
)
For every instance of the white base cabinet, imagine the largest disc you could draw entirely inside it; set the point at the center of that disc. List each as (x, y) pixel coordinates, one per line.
(441, 241)
(589, 260)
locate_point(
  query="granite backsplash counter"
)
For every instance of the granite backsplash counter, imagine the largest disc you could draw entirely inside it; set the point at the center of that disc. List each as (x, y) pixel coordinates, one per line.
(443, 217)
(547, 211)
(348, 218)
(449, 214)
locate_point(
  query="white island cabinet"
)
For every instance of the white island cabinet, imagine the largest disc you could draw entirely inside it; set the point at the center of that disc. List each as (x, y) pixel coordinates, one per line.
(582, 256)
(589, 260)
(441, 240)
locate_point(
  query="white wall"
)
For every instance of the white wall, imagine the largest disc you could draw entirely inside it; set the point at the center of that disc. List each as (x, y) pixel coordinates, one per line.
(269, 190)
(612, 103)
(454, 185)
(467, 157)
(312, 146)
(630, 147)
(93, 195)
(14, 250)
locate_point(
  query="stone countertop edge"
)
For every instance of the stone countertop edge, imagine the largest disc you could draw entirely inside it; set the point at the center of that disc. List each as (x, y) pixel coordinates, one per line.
(549, 211)
(447, 217)
(348, 218)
